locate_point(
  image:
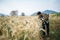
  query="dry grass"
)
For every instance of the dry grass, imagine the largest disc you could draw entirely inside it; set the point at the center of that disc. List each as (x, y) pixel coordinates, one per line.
(54, 27)
(20, 28)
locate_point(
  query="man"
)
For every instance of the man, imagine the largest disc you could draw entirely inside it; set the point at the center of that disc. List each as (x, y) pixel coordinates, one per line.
(45, 23)
(41, 17)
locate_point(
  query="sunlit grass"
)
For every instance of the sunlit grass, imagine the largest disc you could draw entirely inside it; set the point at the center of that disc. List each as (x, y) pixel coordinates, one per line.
(54, 27)
(20, 28)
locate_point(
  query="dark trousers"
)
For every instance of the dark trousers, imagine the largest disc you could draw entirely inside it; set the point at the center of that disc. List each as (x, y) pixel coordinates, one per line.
(45, 24)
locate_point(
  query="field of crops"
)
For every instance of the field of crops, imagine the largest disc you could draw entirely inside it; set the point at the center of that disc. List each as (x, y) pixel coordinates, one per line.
(54, 26)
(20, 28)
(28, 27)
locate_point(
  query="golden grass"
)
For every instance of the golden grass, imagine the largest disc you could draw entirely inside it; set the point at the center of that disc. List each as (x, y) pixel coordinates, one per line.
(54, 27)
(20, 28)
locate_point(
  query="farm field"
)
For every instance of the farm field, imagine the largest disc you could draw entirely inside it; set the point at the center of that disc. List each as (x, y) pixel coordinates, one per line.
(54, 22)
(20, 28)
(28, 28)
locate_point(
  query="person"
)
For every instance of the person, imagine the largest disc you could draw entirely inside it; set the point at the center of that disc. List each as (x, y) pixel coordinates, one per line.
(41, 17)
(45, 23)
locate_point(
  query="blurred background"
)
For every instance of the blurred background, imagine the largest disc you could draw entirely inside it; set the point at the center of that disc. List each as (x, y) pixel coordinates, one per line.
(29, 7)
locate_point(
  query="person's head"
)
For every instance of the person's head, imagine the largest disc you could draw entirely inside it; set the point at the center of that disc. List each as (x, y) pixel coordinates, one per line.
(39, 13)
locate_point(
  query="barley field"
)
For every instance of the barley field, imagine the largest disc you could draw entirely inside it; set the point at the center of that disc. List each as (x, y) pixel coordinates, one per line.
(54, 20)
(28, 28)
(20, 28)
